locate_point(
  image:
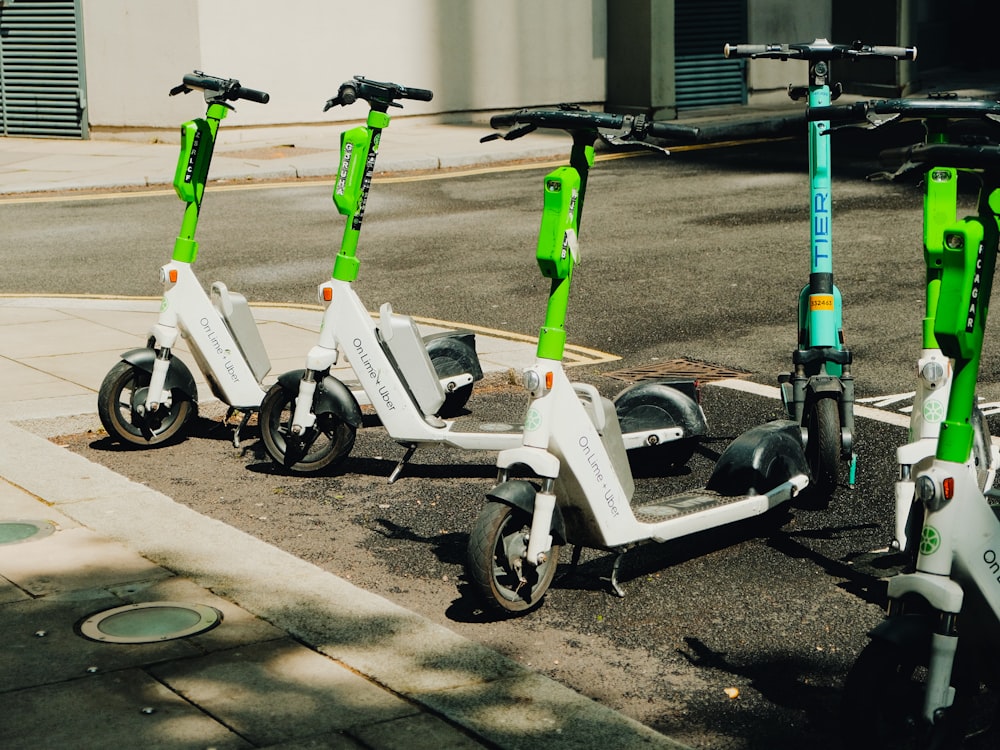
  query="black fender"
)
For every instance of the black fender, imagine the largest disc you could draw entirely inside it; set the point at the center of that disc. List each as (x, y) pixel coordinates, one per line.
(760, 459)
(656, 404)
(179, 377)
(824, 386)
(459, 346)
(520, 494)
(332, 397)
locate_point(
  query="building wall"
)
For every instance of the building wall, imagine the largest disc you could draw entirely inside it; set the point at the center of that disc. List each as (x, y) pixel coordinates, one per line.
(474, 54)
(780, 21)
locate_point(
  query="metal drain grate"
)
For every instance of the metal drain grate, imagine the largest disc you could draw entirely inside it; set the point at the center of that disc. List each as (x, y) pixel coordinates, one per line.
(678, 368)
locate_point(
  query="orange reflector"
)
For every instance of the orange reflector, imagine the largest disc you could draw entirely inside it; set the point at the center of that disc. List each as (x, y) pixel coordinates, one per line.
(327, 294)
(948, 486)
(548, 380)
(173, 275)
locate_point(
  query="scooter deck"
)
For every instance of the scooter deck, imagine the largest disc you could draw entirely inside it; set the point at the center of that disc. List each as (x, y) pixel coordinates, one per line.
(682, 504)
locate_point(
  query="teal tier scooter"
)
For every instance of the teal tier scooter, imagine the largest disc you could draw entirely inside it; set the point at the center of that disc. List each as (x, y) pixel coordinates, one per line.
(819, 392)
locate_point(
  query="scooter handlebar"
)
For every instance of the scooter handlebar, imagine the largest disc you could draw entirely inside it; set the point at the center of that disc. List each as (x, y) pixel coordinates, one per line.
(819, 49)
(935, 107)
(957, 155)
(376, 93)
(629, 126)
(228, 89)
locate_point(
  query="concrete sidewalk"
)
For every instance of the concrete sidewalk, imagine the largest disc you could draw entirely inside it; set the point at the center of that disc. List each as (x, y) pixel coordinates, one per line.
(300, 659)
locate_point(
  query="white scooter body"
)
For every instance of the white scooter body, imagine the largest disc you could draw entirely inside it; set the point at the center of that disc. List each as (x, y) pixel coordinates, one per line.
(223, 339)
(406, 398)
(577, 443)
(930, 404)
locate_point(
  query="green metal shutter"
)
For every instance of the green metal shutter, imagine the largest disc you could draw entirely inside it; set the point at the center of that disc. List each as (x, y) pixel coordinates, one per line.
(702, 76)
(42, 82)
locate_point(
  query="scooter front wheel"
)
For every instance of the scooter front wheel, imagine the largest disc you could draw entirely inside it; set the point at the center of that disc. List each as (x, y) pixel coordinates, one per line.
(322, 446)
(494, 555)
(822, 423)
(122, 393)
(883, 703)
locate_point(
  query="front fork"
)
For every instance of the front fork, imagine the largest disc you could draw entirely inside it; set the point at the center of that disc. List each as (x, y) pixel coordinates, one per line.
(161, 339)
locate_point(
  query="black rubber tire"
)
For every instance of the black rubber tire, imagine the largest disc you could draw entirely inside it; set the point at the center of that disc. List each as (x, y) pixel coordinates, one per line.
(488, 569)
(114, 407)
(883, 703)
(454, 401)
(822, 423)
(328, 442)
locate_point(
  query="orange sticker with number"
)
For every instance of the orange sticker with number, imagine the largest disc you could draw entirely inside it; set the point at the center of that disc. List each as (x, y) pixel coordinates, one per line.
(821, 302)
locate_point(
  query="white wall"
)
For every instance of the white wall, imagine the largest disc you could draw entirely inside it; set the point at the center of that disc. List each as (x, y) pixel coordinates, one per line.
(474, 54)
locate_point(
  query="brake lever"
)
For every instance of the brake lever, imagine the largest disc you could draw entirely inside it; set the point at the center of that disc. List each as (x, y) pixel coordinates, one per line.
(180, 89)
(511, 135)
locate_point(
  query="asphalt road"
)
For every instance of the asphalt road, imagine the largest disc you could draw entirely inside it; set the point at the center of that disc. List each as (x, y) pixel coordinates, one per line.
(699, 255)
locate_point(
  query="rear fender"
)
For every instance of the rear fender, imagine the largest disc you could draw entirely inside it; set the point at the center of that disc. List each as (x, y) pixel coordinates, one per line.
(760, 459)
(332, 397)
(656, 404)
(179, 377)
(459, 346)
(520, 494)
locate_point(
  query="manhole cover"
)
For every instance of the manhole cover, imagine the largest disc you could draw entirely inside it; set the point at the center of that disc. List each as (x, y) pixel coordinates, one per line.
(150, 622)
(678, 368)
(13, 532)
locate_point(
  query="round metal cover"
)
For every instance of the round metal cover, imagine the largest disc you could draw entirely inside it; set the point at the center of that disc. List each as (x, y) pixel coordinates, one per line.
(150, 622)
(14, 532)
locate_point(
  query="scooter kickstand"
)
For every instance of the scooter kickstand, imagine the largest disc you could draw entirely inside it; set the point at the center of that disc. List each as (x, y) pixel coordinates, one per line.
(615, 586)
(239, 427)
(402, 462)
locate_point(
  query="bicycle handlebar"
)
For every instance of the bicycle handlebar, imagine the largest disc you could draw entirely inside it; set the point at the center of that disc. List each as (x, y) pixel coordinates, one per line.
(914, 108)
(375, 93)
(636, 126)
(224, 89)
(958, 155)
(819, 49)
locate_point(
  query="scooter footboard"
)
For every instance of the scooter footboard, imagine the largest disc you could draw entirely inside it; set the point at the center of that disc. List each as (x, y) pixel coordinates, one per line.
(760, 459)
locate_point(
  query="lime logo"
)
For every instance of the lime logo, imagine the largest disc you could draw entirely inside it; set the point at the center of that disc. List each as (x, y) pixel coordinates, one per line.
(533, 420)
(164, 304)
(930, 540)
(933, 411)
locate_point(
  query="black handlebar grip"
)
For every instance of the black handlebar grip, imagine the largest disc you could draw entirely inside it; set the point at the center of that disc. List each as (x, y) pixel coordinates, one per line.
(422, 95)
(201, 81)
(253, 95)
(746, 50)
(503, 120)
(900, 53)
(674, 131)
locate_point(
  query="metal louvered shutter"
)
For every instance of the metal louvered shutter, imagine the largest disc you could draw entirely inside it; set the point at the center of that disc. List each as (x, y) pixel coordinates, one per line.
(41, 69)
(702, 76)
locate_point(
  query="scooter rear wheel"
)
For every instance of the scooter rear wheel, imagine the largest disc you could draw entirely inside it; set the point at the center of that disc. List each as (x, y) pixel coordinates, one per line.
(325, 444)
(498, 533)
(122, 390)
(822, 423)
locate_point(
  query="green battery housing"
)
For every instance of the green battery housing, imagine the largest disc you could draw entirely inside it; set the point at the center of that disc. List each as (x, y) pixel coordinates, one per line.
(347, 190)
(559, 211)
(193, 161)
